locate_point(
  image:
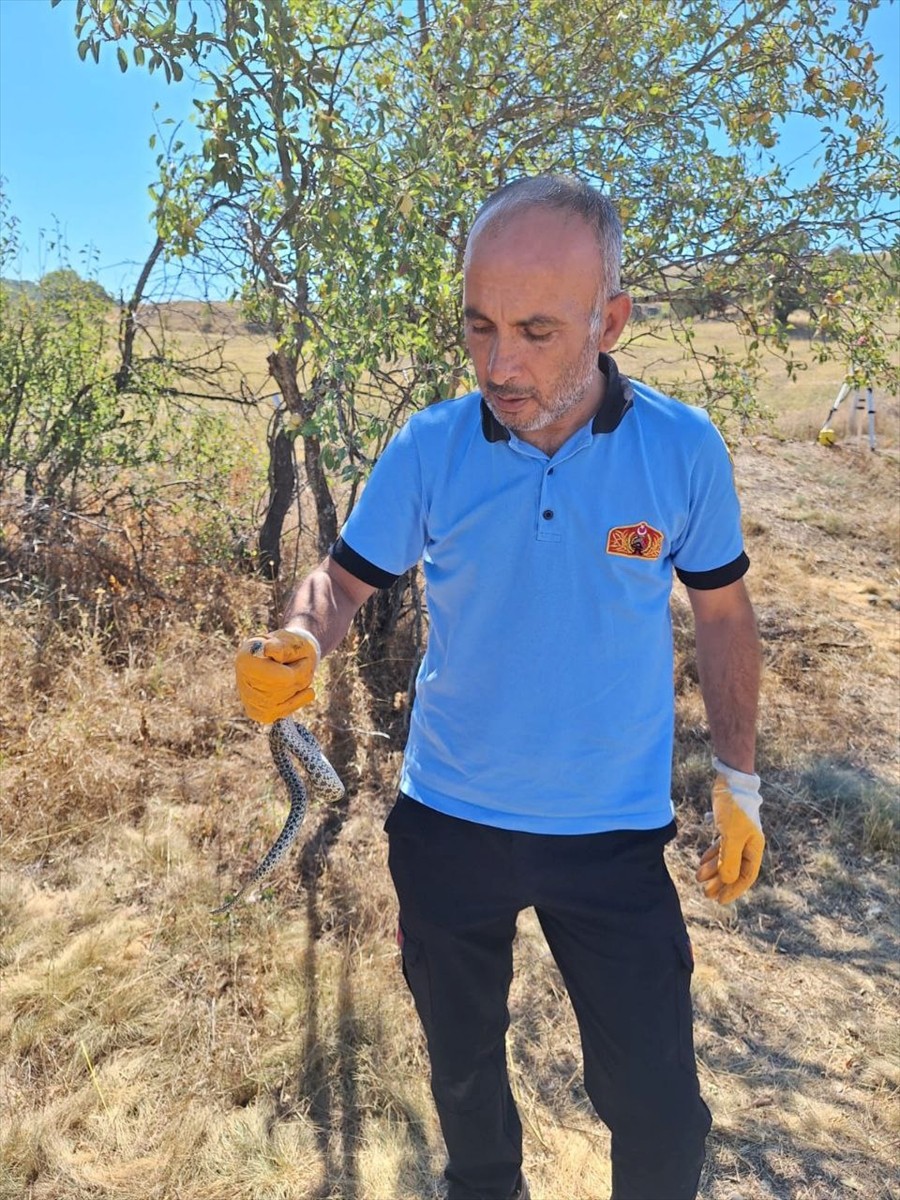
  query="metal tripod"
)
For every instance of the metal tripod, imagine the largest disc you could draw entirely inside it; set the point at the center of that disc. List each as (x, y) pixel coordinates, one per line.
(827, 436)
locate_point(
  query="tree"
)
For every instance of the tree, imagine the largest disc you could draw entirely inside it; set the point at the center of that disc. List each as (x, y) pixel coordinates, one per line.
(347, 145)
(90, 440)
(61, 421)
(65, 283)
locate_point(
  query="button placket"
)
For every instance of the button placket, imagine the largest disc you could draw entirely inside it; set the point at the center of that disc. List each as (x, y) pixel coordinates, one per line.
(548, 526)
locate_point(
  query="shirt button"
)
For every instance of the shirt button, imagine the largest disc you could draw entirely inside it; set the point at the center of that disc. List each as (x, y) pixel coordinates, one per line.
(547, 514)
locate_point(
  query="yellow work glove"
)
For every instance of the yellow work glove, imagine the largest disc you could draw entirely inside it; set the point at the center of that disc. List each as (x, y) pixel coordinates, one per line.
(731, 864)
(274, 672)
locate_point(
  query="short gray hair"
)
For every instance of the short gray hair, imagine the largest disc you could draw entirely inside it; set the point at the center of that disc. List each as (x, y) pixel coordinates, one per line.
(565, 193)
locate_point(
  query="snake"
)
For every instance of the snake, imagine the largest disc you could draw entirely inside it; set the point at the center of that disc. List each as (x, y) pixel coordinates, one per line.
(289, 740)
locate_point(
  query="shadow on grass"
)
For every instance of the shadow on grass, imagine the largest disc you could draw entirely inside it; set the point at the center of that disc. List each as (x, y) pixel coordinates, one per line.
(827, 895)
(832, 839)
(832, 900)
(333, 1080)
(332, 1076)
(333, 1106)
(765, 1149)
(789, 1171)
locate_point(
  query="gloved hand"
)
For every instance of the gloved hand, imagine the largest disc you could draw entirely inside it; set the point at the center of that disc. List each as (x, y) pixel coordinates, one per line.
(274, 673)
(731, 864)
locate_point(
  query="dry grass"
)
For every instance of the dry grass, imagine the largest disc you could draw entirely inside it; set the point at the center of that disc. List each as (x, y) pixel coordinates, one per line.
(151, 1052)
(797, 406)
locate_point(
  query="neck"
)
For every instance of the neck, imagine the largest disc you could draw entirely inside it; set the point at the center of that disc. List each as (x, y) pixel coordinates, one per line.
(552, 436)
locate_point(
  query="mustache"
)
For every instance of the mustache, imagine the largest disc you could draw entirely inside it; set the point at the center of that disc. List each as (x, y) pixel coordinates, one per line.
(505, 392)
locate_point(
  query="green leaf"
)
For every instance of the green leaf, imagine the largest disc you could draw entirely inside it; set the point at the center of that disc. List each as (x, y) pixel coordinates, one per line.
(123, 59)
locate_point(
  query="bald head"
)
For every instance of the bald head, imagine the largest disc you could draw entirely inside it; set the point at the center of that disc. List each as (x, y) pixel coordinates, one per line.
(570, 199)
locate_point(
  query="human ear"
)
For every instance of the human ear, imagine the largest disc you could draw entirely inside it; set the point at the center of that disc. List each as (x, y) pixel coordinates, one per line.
(616, 312)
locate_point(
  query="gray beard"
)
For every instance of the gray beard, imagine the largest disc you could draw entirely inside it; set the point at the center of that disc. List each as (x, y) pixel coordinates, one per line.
(570, 391)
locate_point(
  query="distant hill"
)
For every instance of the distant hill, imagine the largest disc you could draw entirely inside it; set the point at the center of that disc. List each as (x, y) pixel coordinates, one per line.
(219, 317)
(20, 287)
(57, 285)
(211, 318)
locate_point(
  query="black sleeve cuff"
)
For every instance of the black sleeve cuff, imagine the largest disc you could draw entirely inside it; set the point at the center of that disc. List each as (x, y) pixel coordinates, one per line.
(345, 556)
(705, 581)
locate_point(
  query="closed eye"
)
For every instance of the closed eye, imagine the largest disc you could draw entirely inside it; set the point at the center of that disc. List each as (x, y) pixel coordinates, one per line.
(483, 330)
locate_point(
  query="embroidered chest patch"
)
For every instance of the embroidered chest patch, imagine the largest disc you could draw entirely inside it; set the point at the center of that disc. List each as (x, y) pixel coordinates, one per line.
(635, 541)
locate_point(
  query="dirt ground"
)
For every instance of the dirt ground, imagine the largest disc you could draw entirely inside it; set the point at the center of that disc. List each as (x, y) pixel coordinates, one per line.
(150, 1052)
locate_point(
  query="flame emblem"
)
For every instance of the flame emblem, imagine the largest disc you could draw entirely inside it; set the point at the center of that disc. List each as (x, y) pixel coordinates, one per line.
(640, 540)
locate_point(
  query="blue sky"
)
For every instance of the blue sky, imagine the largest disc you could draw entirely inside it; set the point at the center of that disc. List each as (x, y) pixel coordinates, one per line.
(74, 144)
(74, 138)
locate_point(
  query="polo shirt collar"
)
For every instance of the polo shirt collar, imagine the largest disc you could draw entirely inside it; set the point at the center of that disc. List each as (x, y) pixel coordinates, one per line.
(617, 399)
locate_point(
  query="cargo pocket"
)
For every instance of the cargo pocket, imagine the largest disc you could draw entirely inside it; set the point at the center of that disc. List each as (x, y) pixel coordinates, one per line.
(414, 965)
(685, 1010)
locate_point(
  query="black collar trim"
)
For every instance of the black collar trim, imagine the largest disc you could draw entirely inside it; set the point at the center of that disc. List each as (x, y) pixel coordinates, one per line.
(617, 400)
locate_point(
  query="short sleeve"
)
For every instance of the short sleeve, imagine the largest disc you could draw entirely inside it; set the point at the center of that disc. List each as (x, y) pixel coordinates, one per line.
(710, 550)
(385, 533)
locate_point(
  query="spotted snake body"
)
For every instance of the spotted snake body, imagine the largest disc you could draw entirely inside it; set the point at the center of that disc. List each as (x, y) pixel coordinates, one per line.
(289, 740)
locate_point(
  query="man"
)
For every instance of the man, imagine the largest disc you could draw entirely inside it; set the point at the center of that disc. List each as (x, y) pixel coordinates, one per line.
(549, 509)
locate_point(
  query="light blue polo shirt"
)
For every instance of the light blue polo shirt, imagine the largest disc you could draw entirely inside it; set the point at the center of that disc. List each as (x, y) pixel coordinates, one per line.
(544, 702)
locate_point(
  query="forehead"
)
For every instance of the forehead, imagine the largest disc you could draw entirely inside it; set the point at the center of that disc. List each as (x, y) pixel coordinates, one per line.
(536, 250)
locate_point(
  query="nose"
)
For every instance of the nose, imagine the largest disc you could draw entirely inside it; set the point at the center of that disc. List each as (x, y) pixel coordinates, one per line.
(503, 363)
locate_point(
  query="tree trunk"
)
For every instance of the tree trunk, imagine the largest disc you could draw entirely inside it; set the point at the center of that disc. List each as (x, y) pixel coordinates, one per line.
(391, 638)
(282, 486)
(326, 513)
(283, 369)
(127, 322)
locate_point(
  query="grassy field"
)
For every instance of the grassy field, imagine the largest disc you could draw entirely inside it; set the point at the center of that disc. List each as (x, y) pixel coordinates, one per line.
(796, 406)
(149, 1051)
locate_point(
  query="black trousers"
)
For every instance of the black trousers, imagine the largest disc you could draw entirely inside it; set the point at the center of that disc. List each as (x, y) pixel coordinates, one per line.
(612, 920)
